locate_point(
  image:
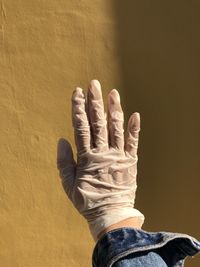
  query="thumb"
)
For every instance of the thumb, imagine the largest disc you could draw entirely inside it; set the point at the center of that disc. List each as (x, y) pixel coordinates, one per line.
(66, 165)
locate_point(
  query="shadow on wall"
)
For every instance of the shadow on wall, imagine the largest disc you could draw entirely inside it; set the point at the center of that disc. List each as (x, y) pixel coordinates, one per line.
(159, 50)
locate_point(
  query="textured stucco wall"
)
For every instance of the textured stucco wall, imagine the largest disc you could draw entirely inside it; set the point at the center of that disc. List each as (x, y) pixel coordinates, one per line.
(159, 45)
(47, 48)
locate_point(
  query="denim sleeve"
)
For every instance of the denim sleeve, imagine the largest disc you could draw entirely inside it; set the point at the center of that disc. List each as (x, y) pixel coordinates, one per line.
(126, 247)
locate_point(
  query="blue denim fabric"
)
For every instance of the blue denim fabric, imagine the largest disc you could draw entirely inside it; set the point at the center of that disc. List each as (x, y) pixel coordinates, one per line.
(127, 247)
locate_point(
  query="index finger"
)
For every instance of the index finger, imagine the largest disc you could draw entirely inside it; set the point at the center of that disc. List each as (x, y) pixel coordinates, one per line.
(80, 121)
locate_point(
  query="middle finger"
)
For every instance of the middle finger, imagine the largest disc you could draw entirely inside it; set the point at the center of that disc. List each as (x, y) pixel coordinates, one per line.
(97, 116)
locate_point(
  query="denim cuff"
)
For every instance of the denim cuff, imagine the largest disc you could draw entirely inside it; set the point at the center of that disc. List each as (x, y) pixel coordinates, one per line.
(118, 243)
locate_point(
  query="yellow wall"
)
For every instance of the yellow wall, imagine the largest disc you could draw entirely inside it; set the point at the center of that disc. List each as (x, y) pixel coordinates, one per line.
(49, 47)
(159, 46)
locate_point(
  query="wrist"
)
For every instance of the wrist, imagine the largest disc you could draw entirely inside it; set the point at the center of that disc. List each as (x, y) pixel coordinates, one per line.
(129, 222)
(98, 222)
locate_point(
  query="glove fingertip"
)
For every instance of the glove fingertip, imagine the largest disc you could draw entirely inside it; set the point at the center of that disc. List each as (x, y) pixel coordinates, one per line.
(134, 123)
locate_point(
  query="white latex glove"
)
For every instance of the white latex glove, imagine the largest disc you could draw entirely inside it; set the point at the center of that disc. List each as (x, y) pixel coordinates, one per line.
(102, 184)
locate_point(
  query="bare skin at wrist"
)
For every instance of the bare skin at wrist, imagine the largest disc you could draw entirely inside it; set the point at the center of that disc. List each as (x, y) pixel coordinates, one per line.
(129, 222)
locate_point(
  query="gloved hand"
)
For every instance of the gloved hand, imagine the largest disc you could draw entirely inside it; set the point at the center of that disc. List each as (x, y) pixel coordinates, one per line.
(102, 184)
